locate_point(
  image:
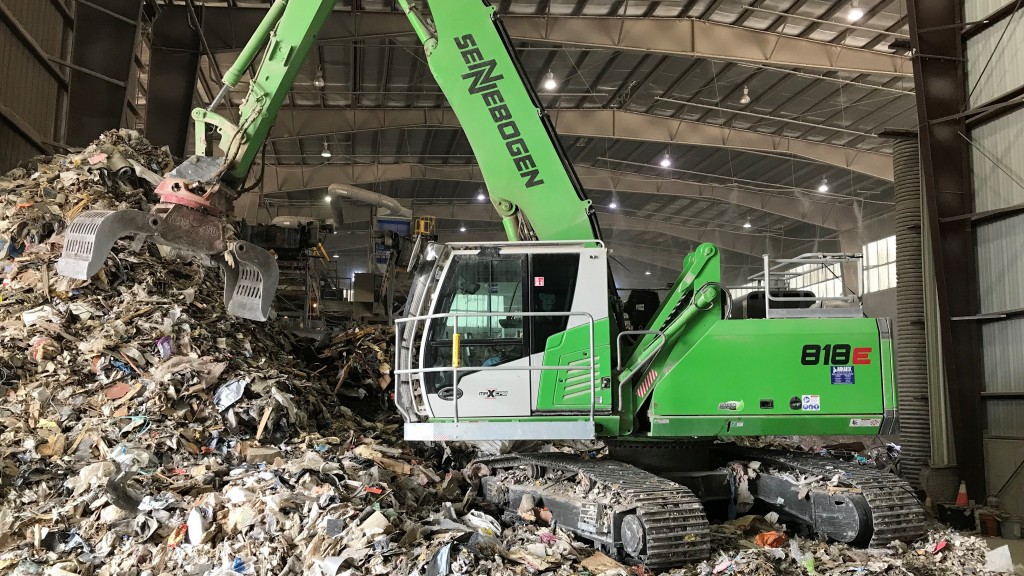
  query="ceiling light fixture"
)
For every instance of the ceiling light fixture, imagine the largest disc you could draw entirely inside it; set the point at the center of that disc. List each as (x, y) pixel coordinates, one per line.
(319, 80)
(855, 12)
(823, 187)
(336, 256)
(462, 228)
(326, 152)
(613, 205)
(747, 223)
(666, 161)
(549, 81)
(745, 99)
(327, 198)
(481, 196)
(647, 273)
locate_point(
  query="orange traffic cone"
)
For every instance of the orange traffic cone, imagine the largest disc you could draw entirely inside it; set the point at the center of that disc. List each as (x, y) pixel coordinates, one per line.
(961, 496)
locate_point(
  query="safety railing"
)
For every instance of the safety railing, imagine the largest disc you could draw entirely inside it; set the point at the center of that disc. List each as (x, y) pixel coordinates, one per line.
(645, 358)
(455, 369)
(783, 270)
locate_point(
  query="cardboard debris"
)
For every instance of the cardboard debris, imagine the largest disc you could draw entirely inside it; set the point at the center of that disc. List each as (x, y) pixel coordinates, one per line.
(599, 564)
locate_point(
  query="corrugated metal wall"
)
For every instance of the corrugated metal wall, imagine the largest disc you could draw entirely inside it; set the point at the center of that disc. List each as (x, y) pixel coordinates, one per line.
(975, 10)
(997, 160)
(1005, 71)
(995, 67)
(1000, 244)
(33, 91)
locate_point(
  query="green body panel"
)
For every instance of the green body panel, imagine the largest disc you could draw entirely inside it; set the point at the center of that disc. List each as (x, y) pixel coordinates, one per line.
(686, 426)
(730, 369)
(570, 389)
(287, 44)
(525, 172)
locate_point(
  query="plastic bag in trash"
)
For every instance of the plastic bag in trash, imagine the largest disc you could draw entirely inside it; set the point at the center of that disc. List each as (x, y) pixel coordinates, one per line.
(229, 393)
(482, 523)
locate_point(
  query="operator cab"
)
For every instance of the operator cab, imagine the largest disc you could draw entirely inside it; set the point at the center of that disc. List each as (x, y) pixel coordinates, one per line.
(515, 307)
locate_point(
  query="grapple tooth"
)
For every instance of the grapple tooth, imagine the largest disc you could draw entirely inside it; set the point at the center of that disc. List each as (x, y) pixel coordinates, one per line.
(250, 285)
(89, 238)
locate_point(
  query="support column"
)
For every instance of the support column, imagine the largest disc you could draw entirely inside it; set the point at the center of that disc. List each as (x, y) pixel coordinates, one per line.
(940, 89)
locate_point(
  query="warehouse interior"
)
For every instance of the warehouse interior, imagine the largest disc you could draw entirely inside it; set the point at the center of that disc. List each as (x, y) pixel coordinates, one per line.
(852, 158)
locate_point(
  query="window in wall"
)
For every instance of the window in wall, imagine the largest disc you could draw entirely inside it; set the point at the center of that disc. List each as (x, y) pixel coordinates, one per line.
(880, 265)
(824, 281)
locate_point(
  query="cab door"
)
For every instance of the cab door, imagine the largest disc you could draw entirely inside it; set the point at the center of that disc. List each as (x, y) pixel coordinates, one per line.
(486, 284)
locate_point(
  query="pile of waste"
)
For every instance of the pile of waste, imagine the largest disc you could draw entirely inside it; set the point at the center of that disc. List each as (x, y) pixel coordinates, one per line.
(756, 545)
(143, 431)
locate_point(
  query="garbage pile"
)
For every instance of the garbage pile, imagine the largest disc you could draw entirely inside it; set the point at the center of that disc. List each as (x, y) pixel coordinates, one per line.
(145, 432)
(756, 545)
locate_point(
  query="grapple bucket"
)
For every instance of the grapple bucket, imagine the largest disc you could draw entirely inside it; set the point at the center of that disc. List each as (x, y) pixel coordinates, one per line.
(250, 281)
(250, 272)
(90, 236)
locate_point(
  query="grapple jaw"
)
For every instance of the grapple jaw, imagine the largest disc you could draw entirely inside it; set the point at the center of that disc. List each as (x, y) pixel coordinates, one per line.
(250, 272)
(184, 221)
(251, 282)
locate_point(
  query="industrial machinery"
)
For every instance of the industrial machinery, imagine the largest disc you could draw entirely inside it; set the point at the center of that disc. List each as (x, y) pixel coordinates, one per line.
(524, 340)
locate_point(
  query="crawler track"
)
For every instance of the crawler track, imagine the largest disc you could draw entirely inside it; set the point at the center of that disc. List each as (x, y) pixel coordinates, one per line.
(674, 528)
(896, 514)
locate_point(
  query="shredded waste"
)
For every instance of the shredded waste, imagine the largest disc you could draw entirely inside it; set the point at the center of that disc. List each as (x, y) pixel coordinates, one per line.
(145, 432)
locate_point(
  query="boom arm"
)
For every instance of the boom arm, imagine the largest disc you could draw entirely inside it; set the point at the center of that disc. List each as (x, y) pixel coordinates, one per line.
(289, 30)
(530, 180)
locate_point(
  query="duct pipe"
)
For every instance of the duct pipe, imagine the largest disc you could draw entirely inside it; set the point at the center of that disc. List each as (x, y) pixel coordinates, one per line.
(911, 349)
(391, 206)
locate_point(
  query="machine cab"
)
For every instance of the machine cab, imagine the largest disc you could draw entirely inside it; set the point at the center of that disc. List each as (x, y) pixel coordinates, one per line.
(502, 313)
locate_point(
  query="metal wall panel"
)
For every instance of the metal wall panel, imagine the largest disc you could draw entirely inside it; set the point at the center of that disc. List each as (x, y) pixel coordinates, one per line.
(30, 93)
(42, 20)
(975, 10)
(27, 88)
(1006, 69)
(997, 162)
(1000, 266)
(13, 146)
(1004, 363)
(1004, 421)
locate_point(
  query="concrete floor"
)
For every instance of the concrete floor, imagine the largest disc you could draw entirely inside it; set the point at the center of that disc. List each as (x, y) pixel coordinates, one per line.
(1016, 547)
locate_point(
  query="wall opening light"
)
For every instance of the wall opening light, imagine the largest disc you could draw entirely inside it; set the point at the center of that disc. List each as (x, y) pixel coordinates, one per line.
(666, 161)
(855, 12)
(549, 81)
(326, 153)
(747, 223)
(745, 99)
(823, 187)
